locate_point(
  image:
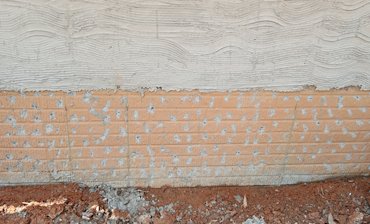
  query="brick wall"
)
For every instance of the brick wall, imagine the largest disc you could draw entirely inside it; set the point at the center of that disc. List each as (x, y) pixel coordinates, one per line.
(183, 138)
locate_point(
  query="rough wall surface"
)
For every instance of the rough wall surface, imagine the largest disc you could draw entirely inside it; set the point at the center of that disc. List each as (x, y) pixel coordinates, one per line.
(177, 44)
(183, 138)
(220, 126)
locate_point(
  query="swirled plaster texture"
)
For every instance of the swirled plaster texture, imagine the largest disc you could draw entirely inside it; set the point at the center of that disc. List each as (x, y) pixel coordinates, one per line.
(175, 45)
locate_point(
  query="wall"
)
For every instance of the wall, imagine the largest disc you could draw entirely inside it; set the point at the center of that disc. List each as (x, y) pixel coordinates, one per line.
(205, 45)
(183, 138)
(138, 93)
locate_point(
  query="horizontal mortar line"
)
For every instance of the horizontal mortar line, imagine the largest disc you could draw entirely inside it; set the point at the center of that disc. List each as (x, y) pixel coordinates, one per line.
(228, 134)
(213, 144)
(170, 164)
(184, 147)
(241, 160)
(252, 93)
(124, 156)
(108, 170)
(34, 123)
(220, 108)
(206, 143)
(233, 153)
(211, 155)
(30, 136)
(185, 177)
(138, 169)
(204, 100)
(46, 172)
(278, 163)
(198, 129)
(271, 166)
(216, 103)
(182, 120)
(32, 110)
(248, 94)
(192, 93)
(243, 163)
(222, 93)
(37, 148)
(41, 148)
(224, 150)
(172, 168)
(216, 156)
(194, 107)
(242, 144)
(199, 122)
(197, 93)
(224, 143)
(186, 108)
(270, 119)
(195, 100)
(277, 143)
(221, 153)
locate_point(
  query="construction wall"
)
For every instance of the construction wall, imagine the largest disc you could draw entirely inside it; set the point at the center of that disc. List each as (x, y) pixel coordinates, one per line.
(184, 44)
(183, 138)
(147, 92)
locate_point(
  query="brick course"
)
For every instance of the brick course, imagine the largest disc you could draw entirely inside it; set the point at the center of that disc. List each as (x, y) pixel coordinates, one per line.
(183, 138)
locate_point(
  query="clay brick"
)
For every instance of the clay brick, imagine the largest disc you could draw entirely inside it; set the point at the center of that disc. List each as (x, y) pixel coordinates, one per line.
(183, 138)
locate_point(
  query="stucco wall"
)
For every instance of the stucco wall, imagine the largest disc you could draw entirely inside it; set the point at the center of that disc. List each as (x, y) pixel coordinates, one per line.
(177, 44)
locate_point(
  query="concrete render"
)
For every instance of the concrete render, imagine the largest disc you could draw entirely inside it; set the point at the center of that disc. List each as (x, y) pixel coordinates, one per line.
(184, 45)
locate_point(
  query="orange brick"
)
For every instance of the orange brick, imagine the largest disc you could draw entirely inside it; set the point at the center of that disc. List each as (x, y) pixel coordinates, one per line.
(183, 138)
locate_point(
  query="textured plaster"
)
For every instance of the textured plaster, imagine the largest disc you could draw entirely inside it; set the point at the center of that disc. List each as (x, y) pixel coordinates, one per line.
(205, 45)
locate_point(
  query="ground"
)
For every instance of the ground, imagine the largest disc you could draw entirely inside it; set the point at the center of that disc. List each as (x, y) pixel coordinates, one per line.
(331, 201)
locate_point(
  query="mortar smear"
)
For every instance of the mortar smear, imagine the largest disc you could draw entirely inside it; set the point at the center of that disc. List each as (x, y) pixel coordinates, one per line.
(131, 200)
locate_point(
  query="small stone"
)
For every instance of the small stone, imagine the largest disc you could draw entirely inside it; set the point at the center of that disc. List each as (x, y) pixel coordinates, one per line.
(178, 218)
(245, 203)
(238, 198)
(87, 215)
(144, 219)
(254, 220)
(330, 219)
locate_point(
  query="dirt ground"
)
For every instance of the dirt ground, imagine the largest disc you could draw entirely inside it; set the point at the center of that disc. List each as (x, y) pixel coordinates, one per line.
(331, 201)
